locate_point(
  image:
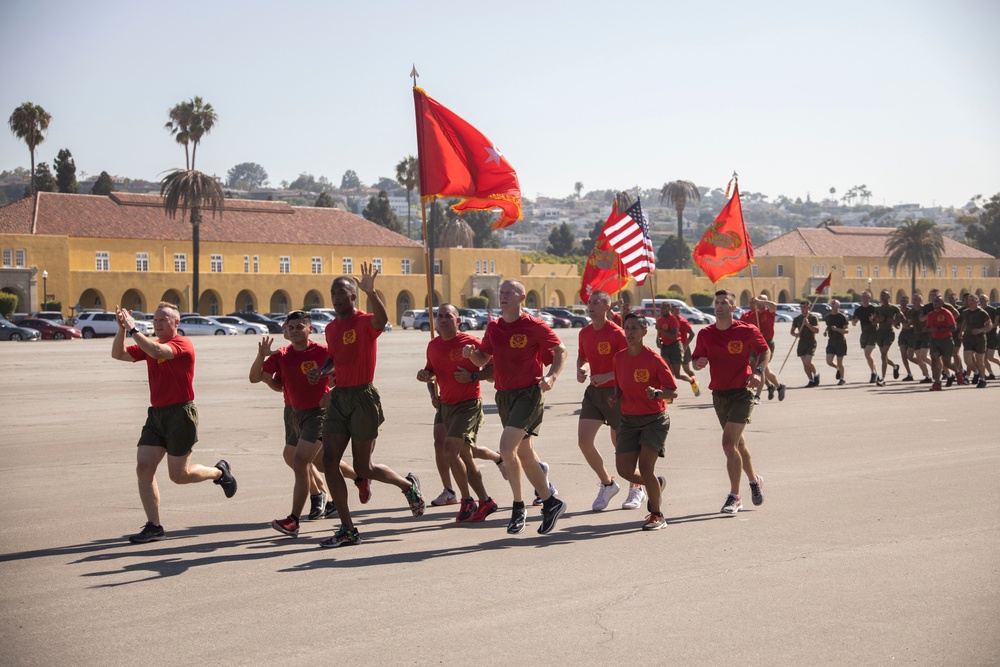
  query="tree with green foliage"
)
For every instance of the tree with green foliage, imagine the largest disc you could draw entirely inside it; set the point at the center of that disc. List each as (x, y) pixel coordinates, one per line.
(917, 244)
(188, 122)
(44, 181)
(8, 304)
(350, 181)
(29, 122)
(380, 212)
(325, 201)
(248, 175)
(578, 187)
(103, 185)
(984, 234)
(408, 176)
(561, 240)
(678, 193)
(305, 182)
(66, 172)
(673, 254)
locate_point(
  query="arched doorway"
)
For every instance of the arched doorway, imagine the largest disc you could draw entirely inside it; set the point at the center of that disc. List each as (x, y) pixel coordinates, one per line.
(404, 302)
(899, 295)
(246, 301)
(491, 298)
(313, 300)
(557, 298)
(437, 300)
(174, 297)
(133, 299)
(92, 298)
(994, 296)
(208, 303)
(745, 297)
(676, 289)
(782, 296)
(532, 299)
(279, 302)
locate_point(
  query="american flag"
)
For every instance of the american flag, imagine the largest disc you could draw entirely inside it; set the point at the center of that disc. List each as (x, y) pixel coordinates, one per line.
(629, 236)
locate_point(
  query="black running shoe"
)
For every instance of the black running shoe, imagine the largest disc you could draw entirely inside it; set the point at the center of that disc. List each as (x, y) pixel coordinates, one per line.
(330, 510)
(895, 371)
(781, 392)
(226, 479)
(551, 511)
(908, 378)
(873, 378)
(770, 392)
(149, 533)
(317, 503)
(516, 524)
(951, 381)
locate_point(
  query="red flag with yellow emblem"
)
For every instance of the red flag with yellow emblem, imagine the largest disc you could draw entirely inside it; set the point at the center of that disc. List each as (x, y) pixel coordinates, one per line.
(725, 249)
(602, 271)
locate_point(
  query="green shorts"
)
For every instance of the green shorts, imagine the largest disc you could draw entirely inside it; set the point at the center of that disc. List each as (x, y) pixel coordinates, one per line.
(770, 345)
(868, 338)
(462, 420)
(975, 344)
(595, 406)
(943, 346)
(884, 337)
(354, 411)
(673, 353)
(906, 338)
(521, 408)
(733, 405)
(173, 427)
(303, 425)
(921, 341)
(992, 339)
(637, 431)
(837, 348)
(805, 348)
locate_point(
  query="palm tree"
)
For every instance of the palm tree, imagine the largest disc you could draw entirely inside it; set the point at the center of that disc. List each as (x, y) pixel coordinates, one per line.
(189, 189)
(678, 193)
(408, 175)
(578, 186)
(29, 123)
(917, 243)
(189, 122)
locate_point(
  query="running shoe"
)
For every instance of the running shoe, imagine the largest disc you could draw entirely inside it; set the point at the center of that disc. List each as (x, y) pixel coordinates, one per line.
(908, 378)
(364, 489)
(880, 382)
(895, 371)
(816, 379)
(960, 376)
(226, 479)
(654, 521)
(770, 392)
(756, 495)
(873, 378)
(755, 400)
(981, 384)
(604, 494)
(317, 505)
(486, 508)
(733, 504)
(516, 524)
(950, 381)
(781, 392)
(467, 511)
(636, 495)
(502, 467)
(289, 526)
(446, 497)
(926, 380)
(413, 496)
(694, 387)
(837, 376)
(551, 511)
(344, 537)
(330, 510)
(841, 381)
(149, 533)
(936, 386)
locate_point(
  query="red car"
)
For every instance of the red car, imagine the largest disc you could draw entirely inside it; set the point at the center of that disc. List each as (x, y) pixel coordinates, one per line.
(49, 330)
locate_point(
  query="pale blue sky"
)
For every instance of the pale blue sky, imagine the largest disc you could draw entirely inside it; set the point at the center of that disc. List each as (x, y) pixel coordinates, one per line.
(902, 96)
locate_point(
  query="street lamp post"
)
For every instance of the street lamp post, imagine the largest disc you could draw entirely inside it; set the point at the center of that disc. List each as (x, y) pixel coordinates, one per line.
(45, 287)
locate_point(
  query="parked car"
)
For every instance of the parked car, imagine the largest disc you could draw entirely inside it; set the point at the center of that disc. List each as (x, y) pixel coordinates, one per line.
(246, 327)
(204, 326)
(319, 321)
(94, 323)
(820, 309)
(53, 316)
(480, 319)
(272, 326)
(11, 331)
(50, 331)
(847, 308)
(578, 310)
(578, 321)
(783, 317)
(421, 322)
(408, 317)
(691, 314)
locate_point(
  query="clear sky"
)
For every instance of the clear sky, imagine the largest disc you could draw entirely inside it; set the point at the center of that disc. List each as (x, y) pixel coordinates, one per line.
(798, 97)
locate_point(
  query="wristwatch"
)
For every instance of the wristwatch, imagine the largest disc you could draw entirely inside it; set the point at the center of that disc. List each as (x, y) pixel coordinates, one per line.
(474, 376)
(759, 370)
(132, 331)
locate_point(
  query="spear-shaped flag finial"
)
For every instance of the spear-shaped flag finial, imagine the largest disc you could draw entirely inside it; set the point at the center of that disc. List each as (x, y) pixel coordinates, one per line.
(414, 74)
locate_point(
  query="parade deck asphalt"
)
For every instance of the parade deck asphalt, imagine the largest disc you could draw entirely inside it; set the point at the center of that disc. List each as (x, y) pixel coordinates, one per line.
(876, 543)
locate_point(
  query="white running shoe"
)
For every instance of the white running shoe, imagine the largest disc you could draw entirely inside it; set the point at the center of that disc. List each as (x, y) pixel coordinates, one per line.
(447, 497)
(636, 497)
(605, 494)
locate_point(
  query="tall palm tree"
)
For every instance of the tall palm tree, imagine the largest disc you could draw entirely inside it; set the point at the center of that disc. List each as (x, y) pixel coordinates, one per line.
(29, 123)
(188, 122)
(408, 175)
(678, 193)
(184, 189)
(917, 243)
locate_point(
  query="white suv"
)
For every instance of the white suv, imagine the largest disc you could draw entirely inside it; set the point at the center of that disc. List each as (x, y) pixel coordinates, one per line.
(93, 323)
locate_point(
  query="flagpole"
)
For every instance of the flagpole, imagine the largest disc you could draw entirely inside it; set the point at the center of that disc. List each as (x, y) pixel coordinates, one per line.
(815, 297)
(429, 270)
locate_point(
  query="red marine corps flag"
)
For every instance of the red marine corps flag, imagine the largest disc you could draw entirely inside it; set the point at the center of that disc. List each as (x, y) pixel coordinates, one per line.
(826, 283)
(457, 160)
(725, 249)
(602, 271)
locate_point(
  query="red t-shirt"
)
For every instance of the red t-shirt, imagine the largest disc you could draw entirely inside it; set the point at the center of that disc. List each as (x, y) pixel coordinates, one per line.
(522, 345)
(940, 318)
(598, 348)
(685, 329)
(352, 346)
(291, 366)
(444, 357)
(728, 353)
(662, 325)
(171, 381)
(634, 374)
(766, 322)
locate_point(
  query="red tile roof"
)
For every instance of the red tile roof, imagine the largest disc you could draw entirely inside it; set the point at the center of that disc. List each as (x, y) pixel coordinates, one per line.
(848, 242)
(138, 216)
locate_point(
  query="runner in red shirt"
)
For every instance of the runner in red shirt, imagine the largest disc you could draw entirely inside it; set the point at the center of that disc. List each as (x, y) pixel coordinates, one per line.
(941, 325)
(516, 343)
(669, 339)
(762, 315)
(354, 413)
(171, 427)
(461, 409)
(736, 353)
(642, 382)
